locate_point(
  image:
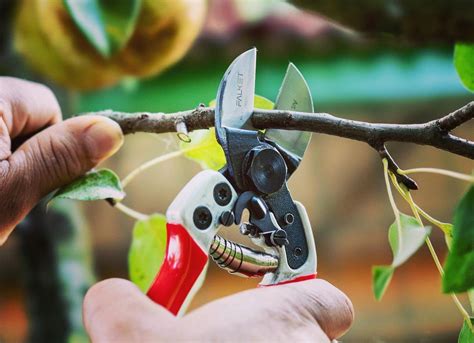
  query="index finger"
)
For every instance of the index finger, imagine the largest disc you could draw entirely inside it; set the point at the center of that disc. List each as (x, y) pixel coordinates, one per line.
(25, 107)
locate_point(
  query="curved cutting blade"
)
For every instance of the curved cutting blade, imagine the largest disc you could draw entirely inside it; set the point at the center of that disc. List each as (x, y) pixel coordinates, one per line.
(294, 95)
(234, 103)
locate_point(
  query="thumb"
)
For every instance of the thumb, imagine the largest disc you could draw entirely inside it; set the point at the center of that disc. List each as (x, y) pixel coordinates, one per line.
(53, 158)
(293, 312)
(115, 310)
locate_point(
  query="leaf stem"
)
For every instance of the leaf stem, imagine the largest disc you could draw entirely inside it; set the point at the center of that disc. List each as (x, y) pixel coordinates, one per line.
(162, 158)
(407, 196)
(445, 227)
(450, 173)
(130, 212)
(456, 301)
(395, 209)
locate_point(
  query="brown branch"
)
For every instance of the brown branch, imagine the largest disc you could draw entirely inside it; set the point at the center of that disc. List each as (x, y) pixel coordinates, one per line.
(374, 134)
(433, 133)
(456, 118)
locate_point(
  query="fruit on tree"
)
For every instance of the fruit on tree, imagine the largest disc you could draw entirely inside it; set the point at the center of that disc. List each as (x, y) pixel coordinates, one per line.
(46, 35)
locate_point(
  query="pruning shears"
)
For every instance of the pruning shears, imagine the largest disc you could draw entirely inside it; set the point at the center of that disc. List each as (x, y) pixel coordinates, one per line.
(255, 177)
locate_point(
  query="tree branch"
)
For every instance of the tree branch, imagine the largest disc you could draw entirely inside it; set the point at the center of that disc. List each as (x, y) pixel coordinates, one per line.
(456, 118)
(433, 133)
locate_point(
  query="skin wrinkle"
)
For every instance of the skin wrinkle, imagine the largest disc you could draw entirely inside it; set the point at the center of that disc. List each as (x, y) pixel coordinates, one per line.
(13, 205)
(72, 159)
(66, 160)
(317, 306)
(22, 171)
(56, 162)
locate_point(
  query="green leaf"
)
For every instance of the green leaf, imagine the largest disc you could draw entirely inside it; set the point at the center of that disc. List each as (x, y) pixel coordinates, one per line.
(381, 276)
(147, 250)
(262, 103)
(403, 247)
(466, 335)
(413, 237)
(464, 63)
(204, 147)
(470, 296)
(120, 18)
(95, 185)
(88, 18)
(458, 270)
(106, 24)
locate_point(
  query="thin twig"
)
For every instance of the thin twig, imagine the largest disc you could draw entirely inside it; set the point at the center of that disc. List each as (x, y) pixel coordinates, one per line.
(130, 212)
(126, 180)
(456, 118)
(393, 167)
(445, 172)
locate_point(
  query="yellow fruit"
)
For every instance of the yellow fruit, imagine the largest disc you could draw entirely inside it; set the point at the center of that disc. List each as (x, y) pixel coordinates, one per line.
(166, 29)
(57, 50)
(50, 41)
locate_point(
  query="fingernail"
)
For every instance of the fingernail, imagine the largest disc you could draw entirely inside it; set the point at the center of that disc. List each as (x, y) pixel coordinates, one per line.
(103, 139)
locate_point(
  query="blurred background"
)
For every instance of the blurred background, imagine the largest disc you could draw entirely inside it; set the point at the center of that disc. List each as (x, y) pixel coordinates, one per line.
(380, 72)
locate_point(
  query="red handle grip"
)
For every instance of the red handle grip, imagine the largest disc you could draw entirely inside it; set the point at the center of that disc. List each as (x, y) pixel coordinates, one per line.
(182, 271)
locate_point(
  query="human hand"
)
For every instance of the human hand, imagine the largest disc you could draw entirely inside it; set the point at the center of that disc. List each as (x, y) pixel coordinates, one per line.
(115, 310)
(49, 153)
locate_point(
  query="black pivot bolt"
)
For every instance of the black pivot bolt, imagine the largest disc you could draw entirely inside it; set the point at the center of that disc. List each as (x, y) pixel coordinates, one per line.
(266, 170)
(202, 217)
(279, 238)
(226, 218)
(222, 194)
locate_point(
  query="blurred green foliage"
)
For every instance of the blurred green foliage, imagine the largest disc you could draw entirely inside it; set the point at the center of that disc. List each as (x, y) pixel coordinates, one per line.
(386, 76)
(459, 268)
(107, 25)
(147, 250)
(464, 62)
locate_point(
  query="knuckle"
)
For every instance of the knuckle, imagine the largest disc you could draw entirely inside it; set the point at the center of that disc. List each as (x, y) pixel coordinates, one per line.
(331, 308)
(51, 99)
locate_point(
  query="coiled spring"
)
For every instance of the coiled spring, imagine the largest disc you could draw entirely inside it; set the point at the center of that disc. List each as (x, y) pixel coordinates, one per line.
(242, 260)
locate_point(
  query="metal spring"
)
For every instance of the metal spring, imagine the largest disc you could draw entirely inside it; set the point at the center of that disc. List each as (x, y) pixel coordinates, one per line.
(242, 260)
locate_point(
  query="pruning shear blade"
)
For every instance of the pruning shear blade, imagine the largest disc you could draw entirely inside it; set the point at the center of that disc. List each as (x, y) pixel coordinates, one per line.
(294, 95)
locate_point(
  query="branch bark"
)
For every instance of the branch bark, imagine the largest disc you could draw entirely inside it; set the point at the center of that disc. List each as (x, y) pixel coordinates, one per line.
(435, 133)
